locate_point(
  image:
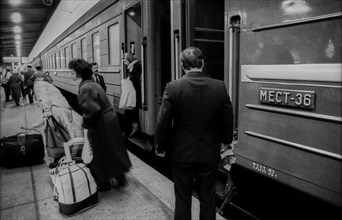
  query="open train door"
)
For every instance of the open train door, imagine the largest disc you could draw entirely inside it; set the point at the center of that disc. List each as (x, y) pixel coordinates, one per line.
(198, 23)
(139, 41)
(290, 101)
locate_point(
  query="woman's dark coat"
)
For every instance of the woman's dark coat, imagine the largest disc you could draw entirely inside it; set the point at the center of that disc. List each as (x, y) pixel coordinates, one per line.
(14, 83)
(110, 157)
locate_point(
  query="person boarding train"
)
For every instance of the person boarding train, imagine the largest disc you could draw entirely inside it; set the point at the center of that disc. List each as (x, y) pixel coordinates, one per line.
(195, 117)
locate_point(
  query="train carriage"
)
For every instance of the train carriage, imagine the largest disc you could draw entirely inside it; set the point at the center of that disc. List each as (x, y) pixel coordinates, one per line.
(287, 57)
(280, 61)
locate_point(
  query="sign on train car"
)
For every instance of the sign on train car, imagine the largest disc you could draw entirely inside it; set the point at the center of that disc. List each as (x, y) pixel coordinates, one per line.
(287, 97)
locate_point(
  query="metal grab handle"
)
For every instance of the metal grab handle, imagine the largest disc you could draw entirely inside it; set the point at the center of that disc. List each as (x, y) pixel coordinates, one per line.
(235, 24)
(176, 45)
(143, 46)
(122, 60)
(230, 63)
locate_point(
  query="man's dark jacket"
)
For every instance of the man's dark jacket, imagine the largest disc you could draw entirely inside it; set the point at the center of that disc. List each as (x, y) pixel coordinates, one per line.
(202, 118)
(101, 82)
(28, 77)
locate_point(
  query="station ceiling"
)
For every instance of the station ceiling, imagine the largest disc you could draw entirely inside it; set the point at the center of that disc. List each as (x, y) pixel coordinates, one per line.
(34, 14)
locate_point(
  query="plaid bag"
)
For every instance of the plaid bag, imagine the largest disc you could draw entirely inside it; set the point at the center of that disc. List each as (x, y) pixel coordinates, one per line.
(76, 148)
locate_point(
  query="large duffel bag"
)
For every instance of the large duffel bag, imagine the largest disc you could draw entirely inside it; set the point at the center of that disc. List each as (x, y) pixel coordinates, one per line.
(21, 150)
(76, 189)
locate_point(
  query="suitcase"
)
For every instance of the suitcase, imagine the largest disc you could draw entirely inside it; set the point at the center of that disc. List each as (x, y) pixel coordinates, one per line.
(21, 150)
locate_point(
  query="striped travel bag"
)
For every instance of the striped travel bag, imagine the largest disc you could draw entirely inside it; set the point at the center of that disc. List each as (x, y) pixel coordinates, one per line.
(75, 186)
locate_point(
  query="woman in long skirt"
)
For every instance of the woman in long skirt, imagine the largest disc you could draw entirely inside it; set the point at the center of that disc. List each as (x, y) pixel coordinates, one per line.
(110, 157)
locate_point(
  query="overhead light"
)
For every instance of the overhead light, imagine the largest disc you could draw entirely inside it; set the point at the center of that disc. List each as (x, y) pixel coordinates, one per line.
(17, 29)
(131, 13)
(15, 2)
(17, 37)
(16, 17)
(17, 42)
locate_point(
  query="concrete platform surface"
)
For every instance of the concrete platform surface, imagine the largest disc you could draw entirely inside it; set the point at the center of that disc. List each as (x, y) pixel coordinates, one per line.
(26, 193)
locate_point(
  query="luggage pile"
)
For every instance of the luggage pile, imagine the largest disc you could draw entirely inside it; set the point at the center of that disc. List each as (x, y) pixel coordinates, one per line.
(75, 188)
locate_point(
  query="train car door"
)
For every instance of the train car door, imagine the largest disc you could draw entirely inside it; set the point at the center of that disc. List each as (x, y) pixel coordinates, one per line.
(198, 23)
(290, 101)
(140, 39)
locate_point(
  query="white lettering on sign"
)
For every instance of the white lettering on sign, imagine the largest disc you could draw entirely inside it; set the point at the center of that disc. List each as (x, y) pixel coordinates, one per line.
(285, 97)
(263, 169)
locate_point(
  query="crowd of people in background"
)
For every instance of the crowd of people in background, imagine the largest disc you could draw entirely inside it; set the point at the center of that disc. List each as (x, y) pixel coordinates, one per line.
(19, 82)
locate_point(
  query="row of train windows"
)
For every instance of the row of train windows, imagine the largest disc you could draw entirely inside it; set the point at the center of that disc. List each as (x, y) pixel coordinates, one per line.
(61, 58)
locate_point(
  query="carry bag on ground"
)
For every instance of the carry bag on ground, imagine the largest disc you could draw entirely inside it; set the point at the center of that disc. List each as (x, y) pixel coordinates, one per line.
(21, 150)
(76, 187)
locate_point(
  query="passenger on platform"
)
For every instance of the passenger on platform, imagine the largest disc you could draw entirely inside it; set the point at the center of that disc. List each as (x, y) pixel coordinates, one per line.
(110, 158)
(38, 74)
(195, 117)
(14, 83)
(4, 83)
(22, 86)
(28, 82)
(97, 77)
(134, 74)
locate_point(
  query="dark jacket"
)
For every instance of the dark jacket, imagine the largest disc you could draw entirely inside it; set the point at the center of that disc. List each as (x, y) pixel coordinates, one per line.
(202, 116)
(28, 77)
(101, 82)
(14, 82)
(110, 157)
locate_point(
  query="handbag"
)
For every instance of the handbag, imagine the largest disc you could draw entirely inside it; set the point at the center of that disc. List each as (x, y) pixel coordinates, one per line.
(128, 95)
(56, 134)
(21, 150)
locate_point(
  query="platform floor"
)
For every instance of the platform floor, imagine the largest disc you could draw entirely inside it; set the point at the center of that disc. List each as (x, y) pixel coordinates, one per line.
(26, 193)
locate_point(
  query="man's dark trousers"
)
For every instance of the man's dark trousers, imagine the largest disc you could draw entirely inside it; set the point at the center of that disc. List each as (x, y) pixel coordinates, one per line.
(7, 91)
(183, 177)
(29, 92)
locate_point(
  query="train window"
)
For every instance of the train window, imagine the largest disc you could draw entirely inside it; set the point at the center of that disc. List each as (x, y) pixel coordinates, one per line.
(307, 43)
(114, 44)
(96, 47)
(207, 33)
(58, 59)
(73, 51)
(62, 59)
(84, 49)
(54, 60)
(66, 52)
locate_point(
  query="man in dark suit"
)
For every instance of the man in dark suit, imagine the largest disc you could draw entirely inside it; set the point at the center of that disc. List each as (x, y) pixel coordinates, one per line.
(28, 82)
(195, 117)
(97, 77)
